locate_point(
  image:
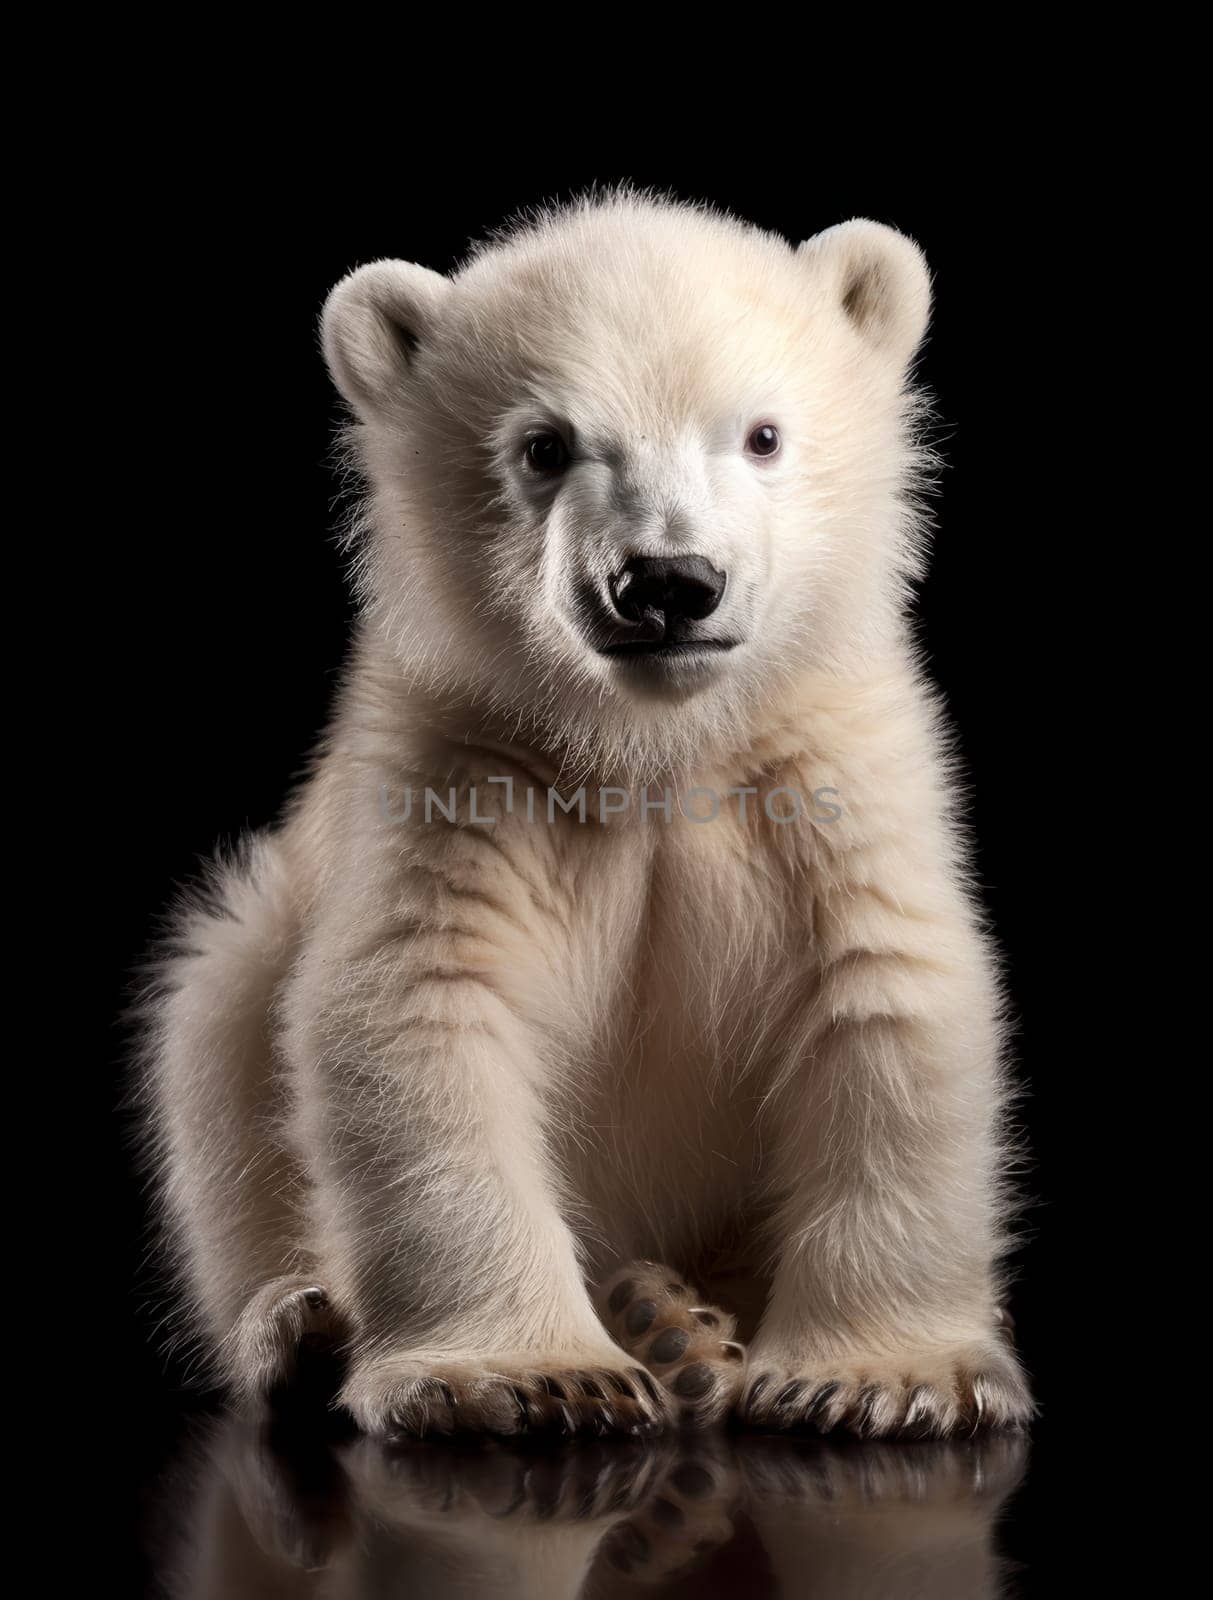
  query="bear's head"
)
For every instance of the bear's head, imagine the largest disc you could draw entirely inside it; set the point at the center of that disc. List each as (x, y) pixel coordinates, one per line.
(636, 469)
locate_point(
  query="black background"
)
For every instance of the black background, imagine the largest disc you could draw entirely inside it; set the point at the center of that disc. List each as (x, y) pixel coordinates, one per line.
(226, 609)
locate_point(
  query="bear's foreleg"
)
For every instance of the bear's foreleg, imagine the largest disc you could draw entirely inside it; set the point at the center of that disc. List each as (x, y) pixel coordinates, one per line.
(428, 1084)
(884, 1313)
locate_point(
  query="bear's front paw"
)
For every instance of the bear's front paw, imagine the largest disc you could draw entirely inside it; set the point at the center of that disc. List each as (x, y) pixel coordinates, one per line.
(411, 1395)
(923, 1394)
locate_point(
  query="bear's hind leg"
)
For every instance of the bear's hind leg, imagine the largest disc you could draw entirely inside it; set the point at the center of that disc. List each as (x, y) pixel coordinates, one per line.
(290, 1334)
(659, 1319)
(235, 1194)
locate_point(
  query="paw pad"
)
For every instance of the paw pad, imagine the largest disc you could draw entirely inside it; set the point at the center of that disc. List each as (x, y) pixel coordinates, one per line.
(688, 1346)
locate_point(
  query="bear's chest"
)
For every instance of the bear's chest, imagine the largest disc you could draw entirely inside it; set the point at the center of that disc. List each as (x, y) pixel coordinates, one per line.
(726, 938)
(703, 946)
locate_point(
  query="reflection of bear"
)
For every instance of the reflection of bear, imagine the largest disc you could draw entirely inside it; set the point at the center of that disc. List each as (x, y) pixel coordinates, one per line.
(640, 517)
(711, 1514)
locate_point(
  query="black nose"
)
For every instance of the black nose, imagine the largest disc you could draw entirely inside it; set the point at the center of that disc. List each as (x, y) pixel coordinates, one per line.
(660, 591)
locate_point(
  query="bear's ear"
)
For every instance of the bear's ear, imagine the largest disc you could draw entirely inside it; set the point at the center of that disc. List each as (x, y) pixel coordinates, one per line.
(373, 324)
(878, 279)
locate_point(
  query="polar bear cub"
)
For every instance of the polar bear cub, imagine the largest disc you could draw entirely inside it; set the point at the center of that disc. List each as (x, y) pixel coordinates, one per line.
(607, 1036)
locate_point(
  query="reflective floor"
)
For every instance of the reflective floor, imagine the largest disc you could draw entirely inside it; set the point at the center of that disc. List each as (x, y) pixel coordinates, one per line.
(251, 1509)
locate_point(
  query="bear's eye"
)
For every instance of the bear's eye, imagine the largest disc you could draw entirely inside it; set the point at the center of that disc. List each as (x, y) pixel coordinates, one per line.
(763, 441)
(547, 452)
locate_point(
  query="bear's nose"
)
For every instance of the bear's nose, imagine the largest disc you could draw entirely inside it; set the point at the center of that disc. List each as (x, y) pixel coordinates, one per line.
(666, 590)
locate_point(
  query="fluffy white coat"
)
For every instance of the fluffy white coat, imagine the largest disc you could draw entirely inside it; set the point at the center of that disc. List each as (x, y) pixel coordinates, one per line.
(420, 1086)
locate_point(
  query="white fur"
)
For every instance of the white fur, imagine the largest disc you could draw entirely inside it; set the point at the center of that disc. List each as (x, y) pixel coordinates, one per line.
(453, 1073)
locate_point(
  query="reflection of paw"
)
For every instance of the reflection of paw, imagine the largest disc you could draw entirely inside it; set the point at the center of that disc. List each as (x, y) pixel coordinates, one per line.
(288, 1326)
(689, 1346)
(924, 1394)
(406, 1395)
(982, 1469)
(685, 1514)
(514, 1480)
(292, 1491)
